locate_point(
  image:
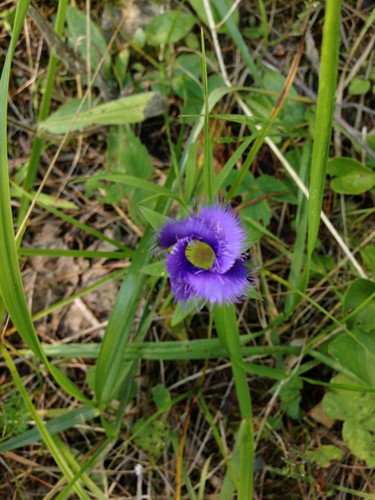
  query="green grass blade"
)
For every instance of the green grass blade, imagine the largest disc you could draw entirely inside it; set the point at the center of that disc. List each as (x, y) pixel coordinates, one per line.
(191, 171)
(208, 170)
(86, 254)
(323, 120)
(170, 350)
(228, 167)
(54, 426)
(116, 338)
(79, 473)
(297, 258)
(246, 445)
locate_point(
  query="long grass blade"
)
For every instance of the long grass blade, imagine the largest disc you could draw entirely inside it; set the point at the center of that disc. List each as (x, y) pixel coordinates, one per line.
(323, 120)
(208, 171)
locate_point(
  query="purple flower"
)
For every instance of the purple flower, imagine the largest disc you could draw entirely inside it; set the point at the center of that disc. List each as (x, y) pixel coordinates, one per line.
(206, 261)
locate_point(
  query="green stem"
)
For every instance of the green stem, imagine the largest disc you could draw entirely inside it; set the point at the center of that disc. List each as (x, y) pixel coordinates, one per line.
(227, 330)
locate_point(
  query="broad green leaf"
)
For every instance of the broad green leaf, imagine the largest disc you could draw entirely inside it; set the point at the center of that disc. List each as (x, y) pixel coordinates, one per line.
(169, 27)
(342, 166)
(276, 189)
(360, 437)
(291, 397)
(292, 113)
(359, 86)
(350, 176)
(357, 409)
(368, 256)
(162, 396)
(353, 184)
(324, 455)
(341, 404)
(77, 24)
(354, 356)
(126, 154)
(131, 109)
(360, 295)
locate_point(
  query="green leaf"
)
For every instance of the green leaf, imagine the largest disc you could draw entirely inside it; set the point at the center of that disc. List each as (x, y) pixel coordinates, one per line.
(169, 27)
(155, 219)
(181, 313)
(360, 295)
(342, 166)
(276, 189)
(351, 177)
(357, 409)
(155, 269)
(341, 404)
(368, 256)
(359, 86)
(121, 66)
(162, 396)
(77, 24)
(110, 369)
(69, 419)
(354, 356)
(290, 395)
(360, 438)
(292, 113)
(126, 153)
(132, 109)
(353, 184)
(324, 455)
(152, 436)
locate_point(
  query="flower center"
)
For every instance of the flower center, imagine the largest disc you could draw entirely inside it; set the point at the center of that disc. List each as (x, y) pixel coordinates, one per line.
(200, 254)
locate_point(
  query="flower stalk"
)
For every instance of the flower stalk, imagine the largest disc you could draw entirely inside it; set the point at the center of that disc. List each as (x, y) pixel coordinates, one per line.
(228, 333)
